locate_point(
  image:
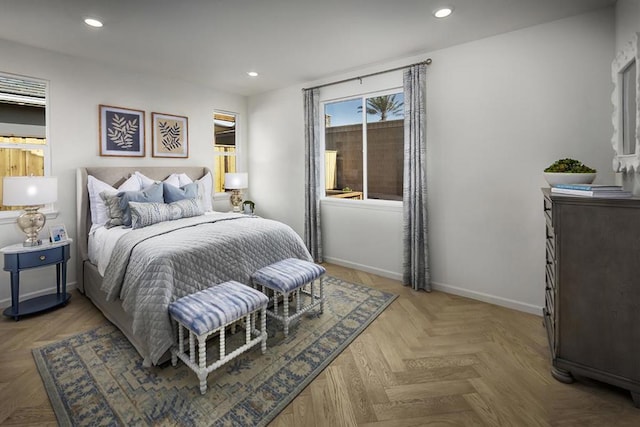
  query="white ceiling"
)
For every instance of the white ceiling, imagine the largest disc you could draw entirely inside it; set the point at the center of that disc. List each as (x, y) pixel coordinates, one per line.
(215, 42)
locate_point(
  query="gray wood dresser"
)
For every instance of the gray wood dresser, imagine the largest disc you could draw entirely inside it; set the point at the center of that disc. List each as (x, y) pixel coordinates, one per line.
(592, 295)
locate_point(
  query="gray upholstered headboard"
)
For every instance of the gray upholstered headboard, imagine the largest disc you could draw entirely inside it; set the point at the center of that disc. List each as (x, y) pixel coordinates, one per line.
(113, 176)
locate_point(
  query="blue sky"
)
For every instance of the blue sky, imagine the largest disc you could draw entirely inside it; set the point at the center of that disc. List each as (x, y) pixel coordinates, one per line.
(346, 112)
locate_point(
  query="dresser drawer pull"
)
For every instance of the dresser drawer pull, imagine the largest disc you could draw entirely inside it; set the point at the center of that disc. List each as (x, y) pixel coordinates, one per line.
(42, 257)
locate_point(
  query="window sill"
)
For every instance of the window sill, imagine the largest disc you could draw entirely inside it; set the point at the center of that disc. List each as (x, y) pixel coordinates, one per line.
(381, 205)
(10, 217)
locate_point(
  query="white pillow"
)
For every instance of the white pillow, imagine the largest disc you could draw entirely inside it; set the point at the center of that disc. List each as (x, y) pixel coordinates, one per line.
(205, 188)
(183, 178)
(144, 180)
(99, 212)
(172, 179)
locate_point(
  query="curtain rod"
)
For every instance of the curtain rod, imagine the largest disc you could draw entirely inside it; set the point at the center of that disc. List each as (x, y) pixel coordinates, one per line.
(426, 61)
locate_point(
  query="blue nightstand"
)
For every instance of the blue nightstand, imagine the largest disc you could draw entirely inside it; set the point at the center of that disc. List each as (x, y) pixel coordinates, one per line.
(18, 258)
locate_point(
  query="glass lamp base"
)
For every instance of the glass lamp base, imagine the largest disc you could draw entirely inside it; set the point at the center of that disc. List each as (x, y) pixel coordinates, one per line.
(236, 200)
(31, 222)
(29, 242)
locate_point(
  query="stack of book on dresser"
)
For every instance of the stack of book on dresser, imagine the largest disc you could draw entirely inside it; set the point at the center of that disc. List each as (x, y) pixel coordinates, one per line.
(591, 190)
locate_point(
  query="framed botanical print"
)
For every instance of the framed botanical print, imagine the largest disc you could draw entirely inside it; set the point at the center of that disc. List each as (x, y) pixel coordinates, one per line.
(170, 135)
(121, 131)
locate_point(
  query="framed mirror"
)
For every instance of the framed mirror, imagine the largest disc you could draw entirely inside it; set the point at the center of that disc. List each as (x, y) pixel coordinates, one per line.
(626, 116)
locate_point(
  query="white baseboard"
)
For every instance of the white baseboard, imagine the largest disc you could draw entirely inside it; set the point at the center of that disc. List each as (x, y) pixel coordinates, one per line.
(4, 303)
(480, 296)
(380, 272)
(491, 299)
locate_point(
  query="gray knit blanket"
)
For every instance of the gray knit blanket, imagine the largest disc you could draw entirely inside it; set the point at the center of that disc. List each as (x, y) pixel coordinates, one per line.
(153, 266)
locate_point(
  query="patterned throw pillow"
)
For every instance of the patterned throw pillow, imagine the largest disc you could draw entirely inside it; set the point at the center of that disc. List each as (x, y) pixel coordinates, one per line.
(151, 194)
(99, 214)
(187, 208)
(112, 203)
(145, 214)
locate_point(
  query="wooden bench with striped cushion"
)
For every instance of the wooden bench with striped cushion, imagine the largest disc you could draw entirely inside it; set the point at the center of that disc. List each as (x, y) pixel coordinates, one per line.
(212, 310)
(290, 276)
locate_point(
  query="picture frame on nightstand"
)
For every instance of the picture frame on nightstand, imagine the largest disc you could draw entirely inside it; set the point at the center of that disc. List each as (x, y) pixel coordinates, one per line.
(58, 233)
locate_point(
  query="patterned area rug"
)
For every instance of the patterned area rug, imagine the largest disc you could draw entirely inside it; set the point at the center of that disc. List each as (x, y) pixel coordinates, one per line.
(97, 377)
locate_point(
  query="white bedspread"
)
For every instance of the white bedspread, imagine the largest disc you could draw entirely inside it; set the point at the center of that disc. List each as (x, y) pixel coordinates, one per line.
(102, 241)
(101, 244)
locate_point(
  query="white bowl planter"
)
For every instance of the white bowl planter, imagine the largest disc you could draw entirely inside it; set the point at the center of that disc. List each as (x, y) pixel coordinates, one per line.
(555, 178)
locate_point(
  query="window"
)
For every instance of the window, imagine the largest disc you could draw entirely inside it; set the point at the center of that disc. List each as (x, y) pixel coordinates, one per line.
(364, 145)
(24, 149)
(225, 147)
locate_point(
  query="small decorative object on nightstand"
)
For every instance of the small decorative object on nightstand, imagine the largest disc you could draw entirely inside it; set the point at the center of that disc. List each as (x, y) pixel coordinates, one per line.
(18, 257)
(248, 207)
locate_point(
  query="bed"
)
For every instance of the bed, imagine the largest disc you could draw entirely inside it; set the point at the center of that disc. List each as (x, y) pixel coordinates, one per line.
(147, 268)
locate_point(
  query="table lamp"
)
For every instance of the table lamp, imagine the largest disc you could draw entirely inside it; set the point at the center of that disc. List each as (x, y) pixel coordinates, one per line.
(30, 192)
(236, 182)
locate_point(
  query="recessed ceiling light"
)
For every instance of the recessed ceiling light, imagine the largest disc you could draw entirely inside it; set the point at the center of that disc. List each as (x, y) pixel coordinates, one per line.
(443, 12)
(252, 74)
(93, 22)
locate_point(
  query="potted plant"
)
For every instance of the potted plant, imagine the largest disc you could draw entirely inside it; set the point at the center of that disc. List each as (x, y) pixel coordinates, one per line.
(248, 207)
(569, 171)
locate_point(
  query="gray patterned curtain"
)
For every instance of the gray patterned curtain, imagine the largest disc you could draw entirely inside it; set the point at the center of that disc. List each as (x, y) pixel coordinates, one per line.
(416, 253)
(312, 189)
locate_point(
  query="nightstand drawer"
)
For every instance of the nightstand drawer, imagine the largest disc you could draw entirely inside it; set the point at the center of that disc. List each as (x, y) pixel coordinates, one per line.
(38, 258)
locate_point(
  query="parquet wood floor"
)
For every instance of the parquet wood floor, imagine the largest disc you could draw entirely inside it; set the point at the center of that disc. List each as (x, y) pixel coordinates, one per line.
(429, 359)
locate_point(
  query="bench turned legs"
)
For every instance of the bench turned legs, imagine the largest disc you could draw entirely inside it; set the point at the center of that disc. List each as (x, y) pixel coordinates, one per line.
(201, 369)
(290, 277)
(201, 319)
(316, 300)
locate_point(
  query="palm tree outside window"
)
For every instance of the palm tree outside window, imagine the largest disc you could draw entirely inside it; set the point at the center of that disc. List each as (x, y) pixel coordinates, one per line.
(364, 143)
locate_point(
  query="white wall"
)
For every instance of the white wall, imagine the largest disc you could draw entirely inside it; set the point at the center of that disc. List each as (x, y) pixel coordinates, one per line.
(499, 110)
(627, 21)
(276, 156)
(76, 88)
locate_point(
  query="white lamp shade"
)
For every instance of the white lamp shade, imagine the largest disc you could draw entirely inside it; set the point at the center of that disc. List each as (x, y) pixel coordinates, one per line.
(236, 181)
(29, 190)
